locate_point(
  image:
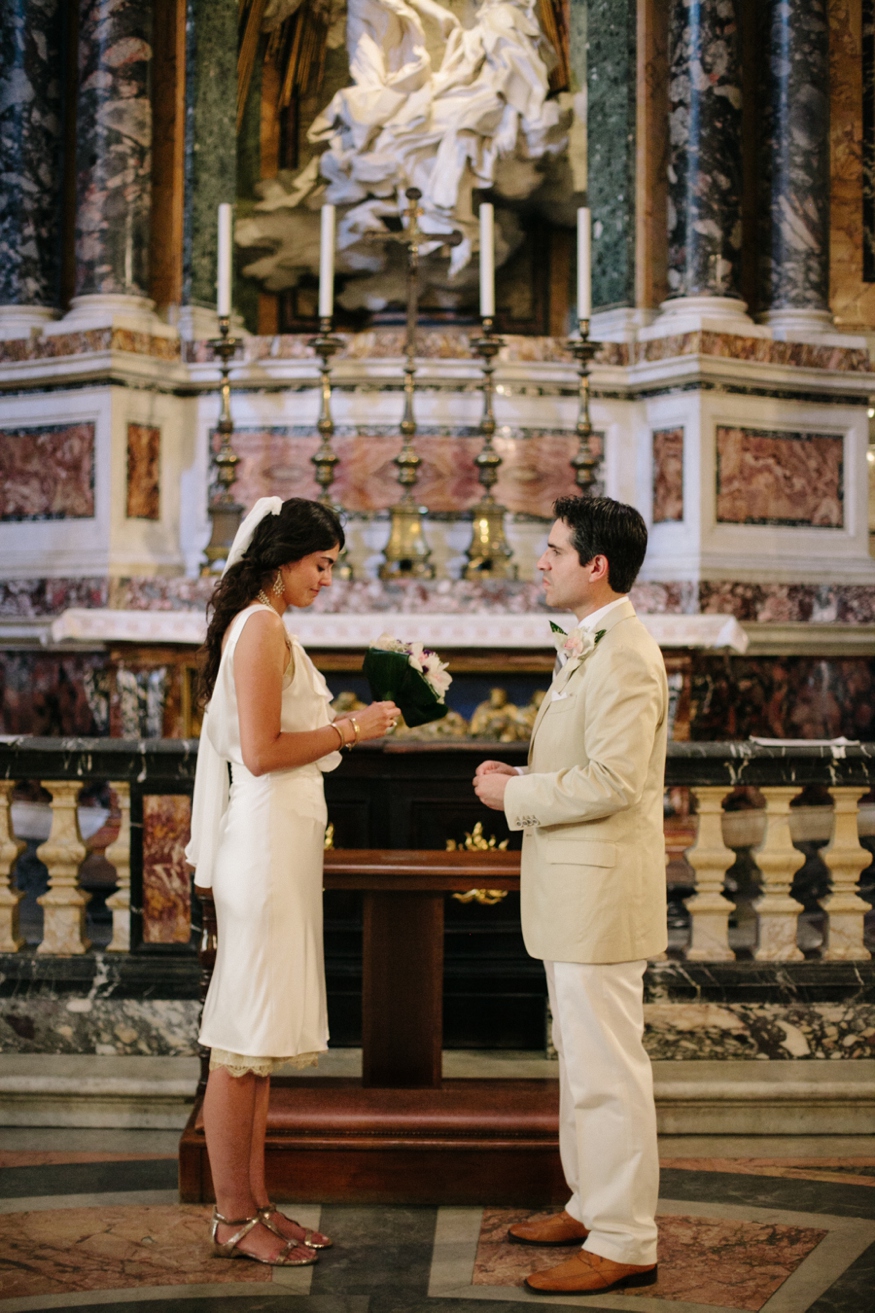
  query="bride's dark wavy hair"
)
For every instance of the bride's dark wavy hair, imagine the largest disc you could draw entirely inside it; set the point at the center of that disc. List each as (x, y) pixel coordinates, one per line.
(301, 527)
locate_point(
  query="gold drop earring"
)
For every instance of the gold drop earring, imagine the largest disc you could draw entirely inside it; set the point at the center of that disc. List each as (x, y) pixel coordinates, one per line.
(278, 585)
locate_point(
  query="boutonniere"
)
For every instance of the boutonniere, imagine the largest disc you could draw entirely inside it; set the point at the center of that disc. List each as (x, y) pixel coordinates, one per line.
(578, 644)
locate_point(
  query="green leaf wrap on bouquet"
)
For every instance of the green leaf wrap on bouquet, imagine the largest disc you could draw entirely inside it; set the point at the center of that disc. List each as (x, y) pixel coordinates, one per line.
(393, 679)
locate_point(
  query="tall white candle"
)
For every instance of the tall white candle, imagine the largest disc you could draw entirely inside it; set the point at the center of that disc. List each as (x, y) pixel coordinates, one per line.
(584, 264)
(223, 281)
(326, 264)
(487, 261)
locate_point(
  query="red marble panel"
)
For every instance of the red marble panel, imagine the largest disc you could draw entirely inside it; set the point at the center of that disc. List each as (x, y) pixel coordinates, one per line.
(668, 475)
(47, 473)
(144, 472)
(535, 469)
(166, 883)
(774, 477)
(702, 1260)
(62, 1251)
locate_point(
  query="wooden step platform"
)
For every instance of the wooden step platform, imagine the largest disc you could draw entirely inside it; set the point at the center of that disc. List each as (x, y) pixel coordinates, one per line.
(330, 1140)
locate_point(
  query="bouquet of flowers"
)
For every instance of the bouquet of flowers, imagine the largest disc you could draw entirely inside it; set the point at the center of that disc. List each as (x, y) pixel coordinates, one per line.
(410, 675)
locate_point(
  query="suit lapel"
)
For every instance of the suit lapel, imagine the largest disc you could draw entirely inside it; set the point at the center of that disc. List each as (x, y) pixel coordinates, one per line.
(561, 679)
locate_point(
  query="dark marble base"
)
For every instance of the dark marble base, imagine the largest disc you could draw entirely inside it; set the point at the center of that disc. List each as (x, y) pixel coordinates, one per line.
(144, 1004)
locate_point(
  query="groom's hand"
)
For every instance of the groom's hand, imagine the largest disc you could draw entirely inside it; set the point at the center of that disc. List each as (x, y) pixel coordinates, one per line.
(487, 768)
(490, 786)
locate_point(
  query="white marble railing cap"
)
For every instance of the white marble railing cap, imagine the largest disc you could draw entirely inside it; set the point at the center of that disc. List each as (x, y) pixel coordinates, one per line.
(528, 630)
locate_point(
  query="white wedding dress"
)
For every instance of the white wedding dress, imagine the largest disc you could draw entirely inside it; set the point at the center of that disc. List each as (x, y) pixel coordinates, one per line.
(266, 1002)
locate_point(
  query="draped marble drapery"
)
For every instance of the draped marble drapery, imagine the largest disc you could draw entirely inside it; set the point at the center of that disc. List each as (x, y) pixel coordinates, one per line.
(30, 164)
(795, 169)
(435, 104)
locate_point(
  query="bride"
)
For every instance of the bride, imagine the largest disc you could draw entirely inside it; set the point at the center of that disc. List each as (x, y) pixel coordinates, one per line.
(259, 844)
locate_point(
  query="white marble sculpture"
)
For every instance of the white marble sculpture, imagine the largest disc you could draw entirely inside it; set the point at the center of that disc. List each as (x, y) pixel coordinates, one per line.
(434, 104)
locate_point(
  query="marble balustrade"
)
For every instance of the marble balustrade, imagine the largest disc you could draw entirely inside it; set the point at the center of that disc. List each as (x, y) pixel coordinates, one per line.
(148, 828)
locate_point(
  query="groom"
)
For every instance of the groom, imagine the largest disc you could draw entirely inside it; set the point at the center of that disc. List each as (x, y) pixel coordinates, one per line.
(589, 804)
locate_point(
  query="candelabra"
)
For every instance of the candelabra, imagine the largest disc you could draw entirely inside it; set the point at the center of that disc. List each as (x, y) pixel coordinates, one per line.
(407, 553)
(326, 459)
(584, 460)
(489, 552)
(224, 512)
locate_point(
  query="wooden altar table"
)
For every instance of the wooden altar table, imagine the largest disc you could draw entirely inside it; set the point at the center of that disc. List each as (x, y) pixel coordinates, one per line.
(402, 1134)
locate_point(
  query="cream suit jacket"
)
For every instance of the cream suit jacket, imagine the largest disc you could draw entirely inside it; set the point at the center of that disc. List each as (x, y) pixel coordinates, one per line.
(591, 804)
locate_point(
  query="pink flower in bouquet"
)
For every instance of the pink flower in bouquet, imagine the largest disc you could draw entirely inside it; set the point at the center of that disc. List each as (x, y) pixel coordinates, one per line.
(422, 659)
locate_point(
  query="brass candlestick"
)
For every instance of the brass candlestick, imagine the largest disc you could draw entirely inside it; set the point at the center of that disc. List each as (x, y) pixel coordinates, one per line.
(224, 512)
(407, 553)
(584, 460)
(326, 459)
(489, 552)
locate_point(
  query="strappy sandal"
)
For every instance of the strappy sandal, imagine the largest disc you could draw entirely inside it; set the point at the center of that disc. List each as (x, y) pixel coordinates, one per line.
(229, 1248)
(267, 1212)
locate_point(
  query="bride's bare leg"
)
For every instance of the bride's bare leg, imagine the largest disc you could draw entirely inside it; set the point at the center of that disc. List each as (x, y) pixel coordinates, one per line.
(291, 1230)
(229, 1121)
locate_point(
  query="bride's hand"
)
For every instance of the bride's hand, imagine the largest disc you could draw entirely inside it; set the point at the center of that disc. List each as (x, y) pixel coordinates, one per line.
(374, 722)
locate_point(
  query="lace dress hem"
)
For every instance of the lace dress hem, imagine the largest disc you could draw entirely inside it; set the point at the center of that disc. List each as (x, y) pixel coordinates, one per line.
(240, 1064)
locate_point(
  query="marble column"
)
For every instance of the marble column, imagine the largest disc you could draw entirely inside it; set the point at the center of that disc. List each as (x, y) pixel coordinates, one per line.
(794, 166)
(705, 160)
(30, 164)
(113, 163)
(210, 153)
(611, 60)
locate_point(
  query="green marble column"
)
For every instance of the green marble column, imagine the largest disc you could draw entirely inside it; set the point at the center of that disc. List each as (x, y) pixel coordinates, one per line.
(611, 28)
(210, 147)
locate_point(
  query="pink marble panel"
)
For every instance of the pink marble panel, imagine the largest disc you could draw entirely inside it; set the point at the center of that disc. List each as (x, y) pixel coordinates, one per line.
(54, 1157)
(144, 472)
(166, 884)
(800, 355)
(535, 471)
(47, 473)
(668, 475)
(730, 1264)
(774, 477)
(448, 343)
(90, 340)
(859, 1170)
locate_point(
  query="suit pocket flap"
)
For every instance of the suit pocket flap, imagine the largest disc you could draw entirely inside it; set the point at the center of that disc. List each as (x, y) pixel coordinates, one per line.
(581, 852)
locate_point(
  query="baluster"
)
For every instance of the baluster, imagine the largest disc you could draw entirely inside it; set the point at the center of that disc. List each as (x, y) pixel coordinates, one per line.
(710, 859)
(778, 861)
(846, 858)
(119, 854)
(63, 853)
(10, 897)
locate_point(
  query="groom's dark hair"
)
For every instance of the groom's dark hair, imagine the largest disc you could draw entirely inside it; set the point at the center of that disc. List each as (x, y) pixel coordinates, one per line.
(601, 526)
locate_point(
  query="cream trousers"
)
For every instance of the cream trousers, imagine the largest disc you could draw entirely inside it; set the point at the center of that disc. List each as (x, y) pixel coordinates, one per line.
(607, 1117)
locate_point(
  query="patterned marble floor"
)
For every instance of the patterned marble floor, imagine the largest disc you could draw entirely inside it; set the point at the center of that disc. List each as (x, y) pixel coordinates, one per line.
(89, 1219)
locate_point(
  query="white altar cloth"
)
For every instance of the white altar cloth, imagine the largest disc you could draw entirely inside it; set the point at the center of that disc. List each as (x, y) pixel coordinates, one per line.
(525, 631)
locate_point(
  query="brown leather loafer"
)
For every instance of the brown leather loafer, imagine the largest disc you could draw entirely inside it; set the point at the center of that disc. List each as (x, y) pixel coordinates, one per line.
(560, 1229)
(590, 1274)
